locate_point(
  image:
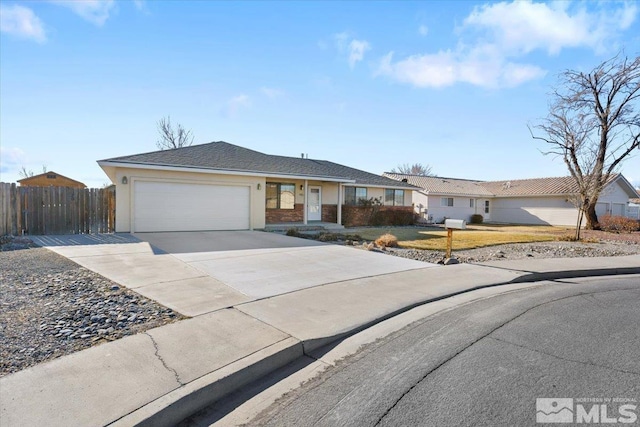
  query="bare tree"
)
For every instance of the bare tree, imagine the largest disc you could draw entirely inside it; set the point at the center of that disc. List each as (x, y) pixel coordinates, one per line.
(24, 173)
(594, 125)
(172, 138)
(414, 169)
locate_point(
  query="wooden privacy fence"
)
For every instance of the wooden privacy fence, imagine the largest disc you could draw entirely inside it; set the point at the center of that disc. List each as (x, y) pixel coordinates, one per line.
(56, 210)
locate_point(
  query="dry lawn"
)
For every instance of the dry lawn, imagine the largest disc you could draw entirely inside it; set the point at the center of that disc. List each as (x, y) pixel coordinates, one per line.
(473, 237)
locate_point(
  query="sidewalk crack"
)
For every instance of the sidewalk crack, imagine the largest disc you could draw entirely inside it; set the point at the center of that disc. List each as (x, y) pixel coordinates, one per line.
(167, 367)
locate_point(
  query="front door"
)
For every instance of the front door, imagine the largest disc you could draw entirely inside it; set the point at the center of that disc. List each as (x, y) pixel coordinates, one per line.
(314, 205)
(487, 211)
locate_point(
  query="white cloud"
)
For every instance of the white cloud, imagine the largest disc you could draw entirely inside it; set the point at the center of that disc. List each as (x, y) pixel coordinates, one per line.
(21, 22)
(95, 11)
(524, 26)
(423, 30)
(353, 48)
(235, 104)
(271, 93)
(342, 40)
(142, 6)
(447, 68)
(503, 33)
(357, 48)
(11, 159)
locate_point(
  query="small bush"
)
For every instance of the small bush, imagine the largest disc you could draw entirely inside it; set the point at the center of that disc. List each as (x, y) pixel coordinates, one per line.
(328, 237)
(401, 218)
(572, 238)
(293, 232)
(387, 241)
(619, 224)
(476, 219)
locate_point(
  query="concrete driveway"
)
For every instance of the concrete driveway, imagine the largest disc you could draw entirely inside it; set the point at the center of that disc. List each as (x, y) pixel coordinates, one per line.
(199, 272)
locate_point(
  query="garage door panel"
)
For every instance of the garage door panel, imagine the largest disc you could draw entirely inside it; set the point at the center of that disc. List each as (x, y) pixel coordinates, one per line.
(162, 206)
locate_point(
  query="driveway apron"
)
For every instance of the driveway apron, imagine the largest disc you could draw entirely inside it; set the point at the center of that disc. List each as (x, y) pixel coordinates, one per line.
(200, 272)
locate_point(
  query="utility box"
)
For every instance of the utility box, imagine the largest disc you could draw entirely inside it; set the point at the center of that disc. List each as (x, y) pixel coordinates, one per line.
(455, 224)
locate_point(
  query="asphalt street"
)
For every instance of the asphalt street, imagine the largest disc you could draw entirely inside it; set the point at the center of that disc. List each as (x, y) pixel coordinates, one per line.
(487, 362)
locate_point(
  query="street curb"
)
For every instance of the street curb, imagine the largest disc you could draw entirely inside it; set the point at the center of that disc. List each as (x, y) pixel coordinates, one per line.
(179, 404)
(175, 406)
(574, 274)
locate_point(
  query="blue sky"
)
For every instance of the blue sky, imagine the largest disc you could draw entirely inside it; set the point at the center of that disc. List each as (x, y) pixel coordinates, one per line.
(370, 85)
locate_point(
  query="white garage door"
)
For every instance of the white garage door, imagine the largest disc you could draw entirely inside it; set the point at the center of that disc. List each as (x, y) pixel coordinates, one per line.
(163, 206)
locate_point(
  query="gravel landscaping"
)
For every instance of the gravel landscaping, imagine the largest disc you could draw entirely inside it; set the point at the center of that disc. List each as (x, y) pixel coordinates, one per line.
(51, 306)
(523, 250)
(595, 244)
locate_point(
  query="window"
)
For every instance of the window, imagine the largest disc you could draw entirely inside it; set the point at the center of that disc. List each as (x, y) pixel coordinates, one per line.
(486, 206)
(393, 197)
(472, 203)
(280, 196)
(446, 201)
(353, 195)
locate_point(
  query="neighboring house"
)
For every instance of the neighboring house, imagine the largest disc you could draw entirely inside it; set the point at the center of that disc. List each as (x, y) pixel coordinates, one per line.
(221, 186)
(633, 211)
(50, 179)
(524, 201)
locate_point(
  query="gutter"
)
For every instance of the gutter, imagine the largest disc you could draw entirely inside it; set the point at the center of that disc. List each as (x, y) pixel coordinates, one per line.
(104, 163)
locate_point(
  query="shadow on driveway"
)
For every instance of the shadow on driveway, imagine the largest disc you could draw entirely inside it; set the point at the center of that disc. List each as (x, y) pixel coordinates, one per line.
(84, 239)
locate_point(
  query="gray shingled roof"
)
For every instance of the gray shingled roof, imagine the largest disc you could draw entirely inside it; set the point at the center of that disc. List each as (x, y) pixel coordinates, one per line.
(565, 185)
(223, 156)
(440, 185)
(533, 187)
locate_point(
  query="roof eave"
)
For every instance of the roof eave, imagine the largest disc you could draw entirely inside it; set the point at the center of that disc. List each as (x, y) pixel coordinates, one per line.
(151, 166)
(631, 191)
(446, 193)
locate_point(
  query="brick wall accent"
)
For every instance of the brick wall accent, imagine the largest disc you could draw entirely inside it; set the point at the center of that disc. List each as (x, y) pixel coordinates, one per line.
(356, 216)
(329, 213)
(276, 216)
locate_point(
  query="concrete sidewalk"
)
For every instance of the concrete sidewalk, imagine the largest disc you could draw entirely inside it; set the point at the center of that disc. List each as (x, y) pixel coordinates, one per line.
(162, 376)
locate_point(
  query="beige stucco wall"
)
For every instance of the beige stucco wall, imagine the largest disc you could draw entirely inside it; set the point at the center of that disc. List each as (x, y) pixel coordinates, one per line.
(124, 196)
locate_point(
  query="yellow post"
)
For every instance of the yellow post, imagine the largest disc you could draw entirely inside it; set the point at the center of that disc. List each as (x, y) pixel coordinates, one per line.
(449, 241)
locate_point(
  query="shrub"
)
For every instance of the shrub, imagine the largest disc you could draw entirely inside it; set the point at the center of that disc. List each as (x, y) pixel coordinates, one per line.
(376, 215)
(476, 219)
(572, 238)
(293, 232)
(619, 224)
(399, 217)
(328, 237)
(387, 240)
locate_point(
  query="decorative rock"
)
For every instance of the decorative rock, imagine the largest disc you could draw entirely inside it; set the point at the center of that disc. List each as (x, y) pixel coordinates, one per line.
(54, 307)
